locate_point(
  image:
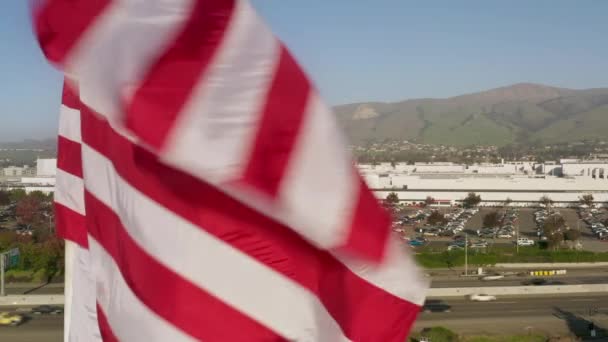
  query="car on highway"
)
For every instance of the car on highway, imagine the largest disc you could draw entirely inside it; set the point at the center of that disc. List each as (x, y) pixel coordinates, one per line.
(47, 310)
(7, 318)
(491, 277)
(481, 298)
(435, 305)
(535, 282)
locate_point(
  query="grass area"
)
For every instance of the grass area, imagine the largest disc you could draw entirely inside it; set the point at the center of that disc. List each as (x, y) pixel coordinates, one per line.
(516, 338)
(441, 334)
(430, 258)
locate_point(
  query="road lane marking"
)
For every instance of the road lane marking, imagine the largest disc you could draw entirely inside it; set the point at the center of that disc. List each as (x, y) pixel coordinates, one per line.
(504, 302)
(583, 300)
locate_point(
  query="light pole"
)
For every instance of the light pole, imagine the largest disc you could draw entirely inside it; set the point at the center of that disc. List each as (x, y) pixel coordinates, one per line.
(466, 256)
(517, 237)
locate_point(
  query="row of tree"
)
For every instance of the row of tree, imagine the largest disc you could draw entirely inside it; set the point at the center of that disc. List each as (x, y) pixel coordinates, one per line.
(472, 200)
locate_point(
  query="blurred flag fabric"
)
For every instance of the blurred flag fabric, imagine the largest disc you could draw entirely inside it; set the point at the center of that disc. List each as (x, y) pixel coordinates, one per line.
(204, 187)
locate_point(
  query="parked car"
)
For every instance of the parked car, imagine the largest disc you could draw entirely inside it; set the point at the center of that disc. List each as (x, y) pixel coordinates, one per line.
(416, 243)
(479, 244)
(525, 242)
(482, 298)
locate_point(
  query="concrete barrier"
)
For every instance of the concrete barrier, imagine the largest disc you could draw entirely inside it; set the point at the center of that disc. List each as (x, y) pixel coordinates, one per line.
(554, 265)
(547, 273)
(15, 300)
(517, 290)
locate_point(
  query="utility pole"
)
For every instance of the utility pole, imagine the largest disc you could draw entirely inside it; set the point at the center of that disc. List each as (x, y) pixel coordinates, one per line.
(2, 275)
(517, 237)
(466, 256)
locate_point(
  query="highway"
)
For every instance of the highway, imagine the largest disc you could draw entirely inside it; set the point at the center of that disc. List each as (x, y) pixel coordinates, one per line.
(518, 281)
(511, 315)
(507, 315)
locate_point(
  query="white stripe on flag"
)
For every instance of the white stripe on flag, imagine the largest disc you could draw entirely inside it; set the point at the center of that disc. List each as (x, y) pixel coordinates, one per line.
(220, 120)
(69, 191)
(320, 184)
(133, 32)
(83, 311)
(69, 123)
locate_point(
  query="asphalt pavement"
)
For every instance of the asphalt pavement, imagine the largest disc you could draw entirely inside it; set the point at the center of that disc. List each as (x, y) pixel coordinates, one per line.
(37, 329)
(517, 315)
(507, 315)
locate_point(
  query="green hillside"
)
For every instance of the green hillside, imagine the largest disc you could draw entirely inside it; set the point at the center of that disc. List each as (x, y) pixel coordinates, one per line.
(494, 117)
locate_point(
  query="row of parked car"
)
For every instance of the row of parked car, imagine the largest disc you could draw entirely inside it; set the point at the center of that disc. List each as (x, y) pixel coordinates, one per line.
(456, 223)
(595, 220)
(506, 229)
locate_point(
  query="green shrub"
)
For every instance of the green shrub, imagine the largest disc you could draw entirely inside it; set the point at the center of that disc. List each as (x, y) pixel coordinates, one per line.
(439, 334)
(40, 276)
(18, 276)
(435, 259)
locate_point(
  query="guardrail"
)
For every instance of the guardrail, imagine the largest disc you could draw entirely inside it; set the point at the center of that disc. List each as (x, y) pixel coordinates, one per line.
(517, 290)
(17, 300)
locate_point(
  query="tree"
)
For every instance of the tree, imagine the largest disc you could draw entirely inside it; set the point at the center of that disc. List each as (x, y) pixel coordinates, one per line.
(428, 201)
(572, 235)
(436, 218)
(508, 201)
(491, 220)
(16, 195)
(546, 201)
(471, 200)
(586, 199)
(552, 229)
(392, 199)
(4, 198)
(39, 195)
(28, 210)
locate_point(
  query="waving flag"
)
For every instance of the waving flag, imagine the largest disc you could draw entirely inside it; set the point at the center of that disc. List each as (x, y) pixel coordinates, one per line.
(215, 197)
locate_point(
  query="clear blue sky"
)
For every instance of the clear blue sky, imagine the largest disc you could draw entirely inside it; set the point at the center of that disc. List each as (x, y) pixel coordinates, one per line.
(368, 50)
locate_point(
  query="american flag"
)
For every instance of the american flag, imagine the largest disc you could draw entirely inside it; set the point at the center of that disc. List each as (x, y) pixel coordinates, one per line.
(205, 185)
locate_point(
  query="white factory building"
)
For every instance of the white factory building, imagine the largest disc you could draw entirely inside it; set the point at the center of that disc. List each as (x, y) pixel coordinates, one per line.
(39, 178)
(523, 183)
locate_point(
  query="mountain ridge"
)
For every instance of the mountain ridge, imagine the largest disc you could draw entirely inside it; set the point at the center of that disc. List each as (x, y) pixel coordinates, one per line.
(511, 114)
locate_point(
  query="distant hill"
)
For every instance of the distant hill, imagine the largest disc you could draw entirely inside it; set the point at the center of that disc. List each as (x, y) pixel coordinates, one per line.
(44, 144)
(517, 113)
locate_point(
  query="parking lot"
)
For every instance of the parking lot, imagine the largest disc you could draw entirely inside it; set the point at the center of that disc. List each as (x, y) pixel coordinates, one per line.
(525, 224)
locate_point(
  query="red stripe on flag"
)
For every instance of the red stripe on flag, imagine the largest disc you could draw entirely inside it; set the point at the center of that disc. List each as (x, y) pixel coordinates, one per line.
(280, 126)
(70, 225)
(170, 296)
(104, 327)
(70, 97)
(169, 83)
(69, 156)
(352, 301)
(59, 24)
(370, 227)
